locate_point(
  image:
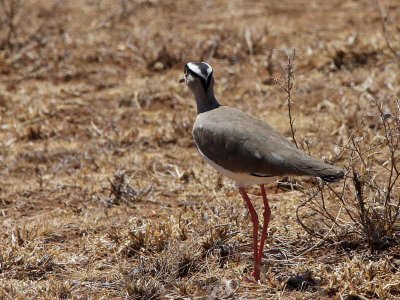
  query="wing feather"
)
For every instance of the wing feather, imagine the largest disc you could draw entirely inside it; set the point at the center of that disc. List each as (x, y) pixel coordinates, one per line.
(241, 143)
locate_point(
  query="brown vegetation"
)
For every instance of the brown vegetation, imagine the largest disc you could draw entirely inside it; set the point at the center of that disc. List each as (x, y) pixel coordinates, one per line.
(103, 195)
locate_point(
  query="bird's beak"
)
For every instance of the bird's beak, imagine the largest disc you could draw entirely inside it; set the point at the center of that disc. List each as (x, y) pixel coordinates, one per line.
(182, 80)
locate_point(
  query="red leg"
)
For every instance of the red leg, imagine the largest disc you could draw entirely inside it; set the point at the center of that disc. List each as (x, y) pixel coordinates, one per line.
(267, 216)
(254, 219)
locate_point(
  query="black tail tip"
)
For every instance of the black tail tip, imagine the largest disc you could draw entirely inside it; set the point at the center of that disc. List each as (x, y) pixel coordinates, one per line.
(333, 177)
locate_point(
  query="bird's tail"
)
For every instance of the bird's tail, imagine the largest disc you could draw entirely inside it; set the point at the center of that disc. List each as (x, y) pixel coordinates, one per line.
(316, 168)
(328, 173)
(334, 177)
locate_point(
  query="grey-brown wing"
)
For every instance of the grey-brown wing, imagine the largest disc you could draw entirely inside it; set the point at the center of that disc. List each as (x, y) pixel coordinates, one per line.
(240, 143)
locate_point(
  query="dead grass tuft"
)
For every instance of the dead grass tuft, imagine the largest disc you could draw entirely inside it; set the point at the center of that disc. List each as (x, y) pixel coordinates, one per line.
(122, 193)
(302, 282)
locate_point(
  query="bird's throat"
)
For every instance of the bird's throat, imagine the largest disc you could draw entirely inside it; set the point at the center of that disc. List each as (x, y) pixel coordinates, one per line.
(205, 101)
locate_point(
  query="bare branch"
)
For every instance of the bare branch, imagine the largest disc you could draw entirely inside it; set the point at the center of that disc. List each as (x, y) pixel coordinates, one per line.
(370, 203)
(386, 35)
(287, 86)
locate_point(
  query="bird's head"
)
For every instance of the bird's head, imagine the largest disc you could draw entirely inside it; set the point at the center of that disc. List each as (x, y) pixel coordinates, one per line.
(198, 76)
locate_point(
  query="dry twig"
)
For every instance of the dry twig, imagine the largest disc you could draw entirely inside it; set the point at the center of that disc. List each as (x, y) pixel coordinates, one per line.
(287, 86)
(385, 31)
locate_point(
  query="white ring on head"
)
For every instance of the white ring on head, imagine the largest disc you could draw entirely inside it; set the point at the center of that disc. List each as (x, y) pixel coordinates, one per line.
(195, 69)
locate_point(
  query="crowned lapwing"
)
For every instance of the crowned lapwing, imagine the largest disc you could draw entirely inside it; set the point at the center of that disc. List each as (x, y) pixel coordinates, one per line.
(246, 149)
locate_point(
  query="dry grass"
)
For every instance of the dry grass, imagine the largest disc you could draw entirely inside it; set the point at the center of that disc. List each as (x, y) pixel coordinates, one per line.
(102, 193)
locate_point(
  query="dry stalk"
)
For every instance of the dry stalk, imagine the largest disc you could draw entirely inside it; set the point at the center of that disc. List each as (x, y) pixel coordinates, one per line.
(32, 51)
(10, 20)
(287, 85)
(10, 10)
(386, 35)
(371, 204)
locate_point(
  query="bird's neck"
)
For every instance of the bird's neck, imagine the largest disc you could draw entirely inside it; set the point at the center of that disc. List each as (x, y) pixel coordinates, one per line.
(205, 100)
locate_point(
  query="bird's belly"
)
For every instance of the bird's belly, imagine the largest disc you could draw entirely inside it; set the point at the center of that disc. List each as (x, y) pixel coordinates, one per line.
(242, 179)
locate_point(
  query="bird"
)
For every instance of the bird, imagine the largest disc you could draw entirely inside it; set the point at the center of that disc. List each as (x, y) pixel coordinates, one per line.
(246, 149)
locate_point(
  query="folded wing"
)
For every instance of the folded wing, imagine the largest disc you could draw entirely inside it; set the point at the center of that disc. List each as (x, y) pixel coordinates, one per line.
(241, 143)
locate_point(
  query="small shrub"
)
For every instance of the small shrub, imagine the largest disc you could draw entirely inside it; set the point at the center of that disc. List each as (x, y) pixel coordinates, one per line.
(366, 207)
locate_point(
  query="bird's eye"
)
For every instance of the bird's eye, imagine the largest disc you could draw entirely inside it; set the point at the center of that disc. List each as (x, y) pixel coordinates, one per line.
(186, 72)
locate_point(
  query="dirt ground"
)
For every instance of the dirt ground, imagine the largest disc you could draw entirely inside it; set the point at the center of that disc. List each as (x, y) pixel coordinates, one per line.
(103, 194)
